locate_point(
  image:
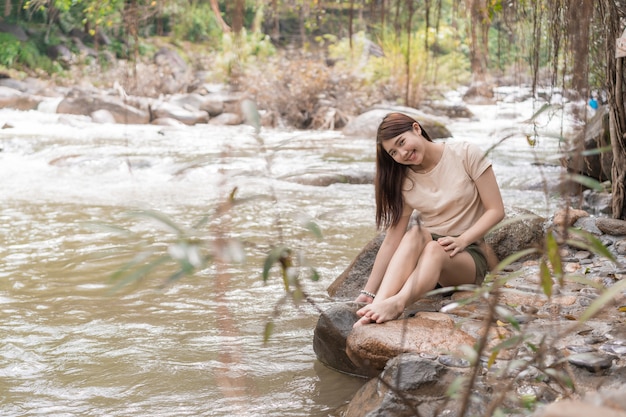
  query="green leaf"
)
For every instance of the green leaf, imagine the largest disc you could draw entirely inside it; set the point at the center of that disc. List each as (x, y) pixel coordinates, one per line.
(560, 376)
(541, 110)
(605, 298)
(546, 278)
(587, 182)
(138, 259)
(514, 257)
(552, 249)
(505, 314)
(596, 151)
(315, 276)
(513, 220)
(269, 329)
(585, 281)
(591, 243)
(456, 386)
(508, 343)
(140, 273)
(160, 218)
(314, 228)
(273, 257)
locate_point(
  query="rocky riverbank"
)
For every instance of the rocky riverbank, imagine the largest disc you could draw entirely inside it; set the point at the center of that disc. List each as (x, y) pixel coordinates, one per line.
(543, 353)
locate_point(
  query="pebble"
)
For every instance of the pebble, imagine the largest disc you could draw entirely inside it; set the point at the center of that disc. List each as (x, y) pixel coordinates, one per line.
(453, 361)
(615, 348)
(591, 361)
(580, 348)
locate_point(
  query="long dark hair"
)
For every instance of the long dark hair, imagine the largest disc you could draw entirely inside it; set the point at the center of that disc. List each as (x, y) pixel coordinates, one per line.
(390, 174)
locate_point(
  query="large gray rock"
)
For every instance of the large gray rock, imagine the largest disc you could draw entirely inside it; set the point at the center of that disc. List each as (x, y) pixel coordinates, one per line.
(521, 229)
(324, 179)
(188, 116)
(595, 135)
(15, 99)
(329, 338)
(366, 124)
(409, 386)
(613, 227)
(214, 106)
(88, 104)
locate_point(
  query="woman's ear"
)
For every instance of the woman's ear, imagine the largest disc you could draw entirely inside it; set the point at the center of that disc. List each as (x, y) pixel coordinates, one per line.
(417, 128)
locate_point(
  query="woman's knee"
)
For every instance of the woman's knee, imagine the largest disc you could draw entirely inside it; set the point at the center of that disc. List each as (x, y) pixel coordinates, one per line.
(417, 236)
(434, 251)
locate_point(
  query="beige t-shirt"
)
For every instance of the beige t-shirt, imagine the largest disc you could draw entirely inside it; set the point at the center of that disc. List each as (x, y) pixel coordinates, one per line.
(446, 197)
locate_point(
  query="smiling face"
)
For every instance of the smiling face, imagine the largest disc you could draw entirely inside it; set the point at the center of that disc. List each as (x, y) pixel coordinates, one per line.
(407, 148)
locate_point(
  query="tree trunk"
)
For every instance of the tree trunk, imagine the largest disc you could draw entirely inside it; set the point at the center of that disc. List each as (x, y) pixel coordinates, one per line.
(7, 8)
(479, 52)
(409, 32)
(276, 27)
(580, 15)
(218, 15)
(615, 71)
(350, 23)
(237, 21)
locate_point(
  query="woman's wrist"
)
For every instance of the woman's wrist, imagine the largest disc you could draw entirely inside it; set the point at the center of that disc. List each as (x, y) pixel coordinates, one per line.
(369, 294)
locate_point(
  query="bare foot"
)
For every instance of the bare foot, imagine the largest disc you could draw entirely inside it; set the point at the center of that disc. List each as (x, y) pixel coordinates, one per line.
(386, 310)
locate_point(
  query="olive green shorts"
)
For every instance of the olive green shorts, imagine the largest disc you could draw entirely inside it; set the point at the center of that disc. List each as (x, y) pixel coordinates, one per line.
(480, 260)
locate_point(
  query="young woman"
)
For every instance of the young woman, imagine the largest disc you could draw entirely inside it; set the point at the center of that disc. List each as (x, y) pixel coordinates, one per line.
(454, 191)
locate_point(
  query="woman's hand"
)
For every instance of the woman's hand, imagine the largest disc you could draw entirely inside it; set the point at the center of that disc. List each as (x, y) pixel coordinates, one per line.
(453, 245)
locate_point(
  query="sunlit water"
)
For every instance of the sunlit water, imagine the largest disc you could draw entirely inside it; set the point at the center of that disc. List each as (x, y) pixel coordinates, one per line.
(72, 347)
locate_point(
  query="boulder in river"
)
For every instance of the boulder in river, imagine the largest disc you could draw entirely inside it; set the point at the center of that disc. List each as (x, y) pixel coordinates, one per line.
(366, 124)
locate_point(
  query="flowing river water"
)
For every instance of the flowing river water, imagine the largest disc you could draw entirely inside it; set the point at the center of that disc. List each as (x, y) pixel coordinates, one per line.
(72, 345)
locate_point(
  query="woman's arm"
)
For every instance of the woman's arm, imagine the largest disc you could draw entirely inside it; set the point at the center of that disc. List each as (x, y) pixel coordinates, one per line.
(494, 212)
(390, 243)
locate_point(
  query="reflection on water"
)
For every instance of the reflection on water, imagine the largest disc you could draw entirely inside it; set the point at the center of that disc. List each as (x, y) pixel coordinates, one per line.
(70, 346)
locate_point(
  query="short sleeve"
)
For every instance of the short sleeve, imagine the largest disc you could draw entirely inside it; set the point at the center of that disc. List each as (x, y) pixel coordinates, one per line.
(476, 161)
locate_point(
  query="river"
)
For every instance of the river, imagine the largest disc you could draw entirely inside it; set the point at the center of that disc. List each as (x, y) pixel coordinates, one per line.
(73, 344)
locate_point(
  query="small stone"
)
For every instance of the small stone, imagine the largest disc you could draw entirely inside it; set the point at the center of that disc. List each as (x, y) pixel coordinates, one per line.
(453, 361)
(529, 309)
(606, 241)
(593, 362)
(580, 348)
(594, 339)
(614, 348)
(525, 318)
(613, 227)
(426, 355)
(582, 254)
(590, 292)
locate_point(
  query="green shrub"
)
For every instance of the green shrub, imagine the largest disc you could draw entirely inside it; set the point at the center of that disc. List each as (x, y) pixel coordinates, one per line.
(238, 53)
(23, 55)
(9, 49)
(196, 24)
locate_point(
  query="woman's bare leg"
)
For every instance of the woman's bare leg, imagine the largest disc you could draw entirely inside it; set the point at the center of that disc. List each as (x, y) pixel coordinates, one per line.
(403, 262)
(434, 265)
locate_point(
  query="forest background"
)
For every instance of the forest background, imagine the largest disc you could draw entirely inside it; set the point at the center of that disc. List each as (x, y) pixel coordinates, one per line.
(316, 63)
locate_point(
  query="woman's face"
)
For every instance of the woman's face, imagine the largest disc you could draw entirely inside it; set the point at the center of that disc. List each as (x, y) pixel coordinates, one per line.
(407, 148)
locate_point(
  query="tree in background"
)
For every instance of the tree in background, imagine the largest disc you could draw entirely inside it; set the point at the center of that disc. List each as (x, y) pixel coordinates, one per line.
(611, 14)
